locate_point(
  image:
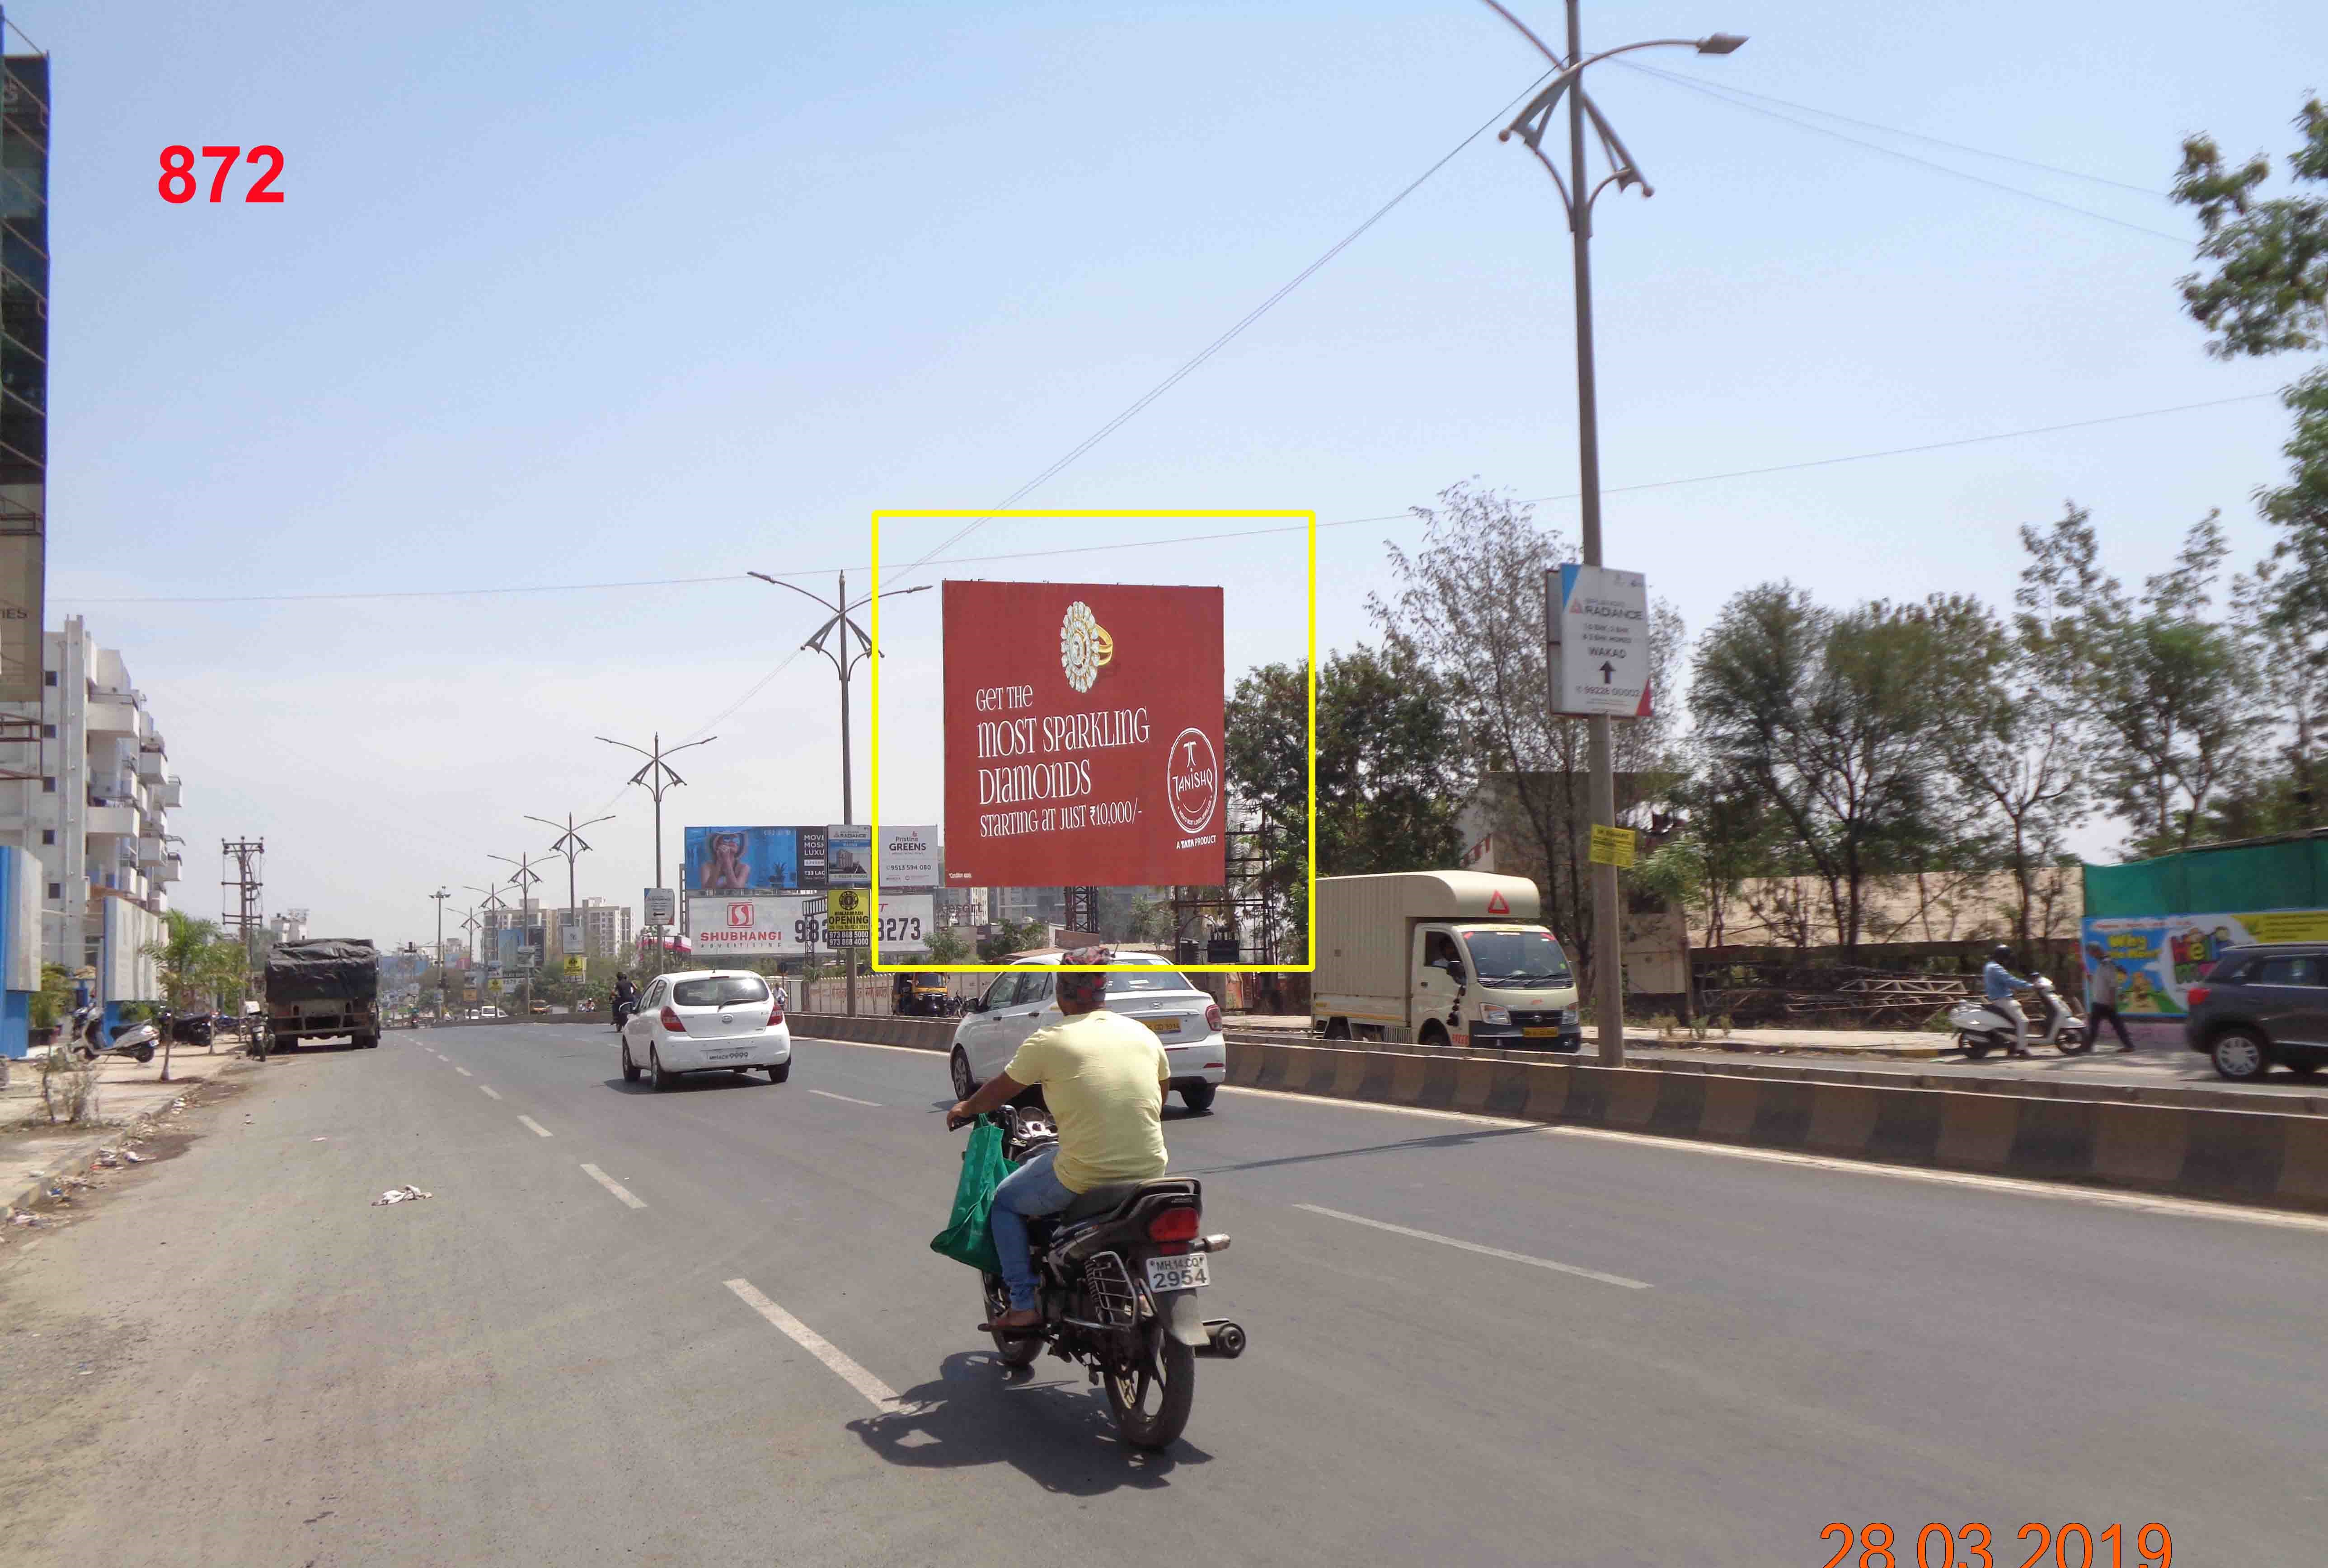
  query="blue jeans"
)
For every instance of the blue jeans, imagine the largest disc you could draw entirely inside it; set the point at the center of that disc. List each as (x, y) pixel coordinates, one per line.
(1029, 1190)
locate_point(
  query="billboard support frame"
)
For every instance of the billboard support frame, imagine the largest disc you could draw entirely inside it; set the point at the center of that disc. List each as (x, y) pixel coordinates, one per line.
(1309, 518)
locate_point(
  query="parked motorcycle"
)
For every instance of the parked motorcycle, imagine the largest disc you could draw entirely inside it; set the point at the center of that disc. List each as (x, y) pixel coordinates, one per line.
(1981, 1028)
(1120, 1270)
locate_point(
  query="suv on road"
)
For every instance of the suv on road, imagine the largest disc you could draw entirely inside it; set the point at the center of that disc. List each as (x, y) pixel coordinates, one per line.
(2260, 1005)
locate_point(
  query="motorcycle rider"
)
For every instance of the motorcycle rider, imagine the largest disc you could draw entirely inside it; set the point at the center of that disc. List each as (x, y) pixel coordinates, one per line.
(2000, 983)
(626, 999)
(1103, 1077)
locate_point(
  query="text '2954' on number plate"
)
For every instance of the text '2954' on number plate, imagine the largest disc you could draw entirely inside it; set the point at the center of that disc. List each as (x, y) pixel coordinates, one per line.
(1163, 1025)
(1184, 1273)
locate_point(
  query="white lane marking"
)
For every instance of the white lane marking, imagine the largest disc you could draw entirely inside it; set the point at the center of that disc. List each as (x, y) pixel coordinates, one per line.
(489, 1089)
(1566, 1268)
(2017, 1186)
(884, 1397)
(828, 1094)
(465, 1072)
(530, 1122)
(609, 1184)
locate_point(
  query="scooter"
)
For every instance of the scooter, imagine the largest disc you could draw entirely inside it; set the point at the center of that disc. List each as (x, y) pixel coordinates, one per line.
(1980, 1028)
(89, 1042)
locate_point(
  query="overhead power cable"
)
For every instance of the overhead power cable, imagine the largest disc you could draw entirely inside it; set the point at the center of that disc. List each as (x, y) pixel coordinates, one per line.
(1693, 85)
(1723, 86)
(1222, 342)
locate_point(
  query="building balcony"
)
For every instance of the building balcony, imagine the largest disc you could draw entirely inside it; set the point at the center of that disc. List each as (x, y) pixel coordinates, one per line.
(149, 853)
(171, 864)
(108, 715)
(152, 765)
(112, 821)
(173, 791)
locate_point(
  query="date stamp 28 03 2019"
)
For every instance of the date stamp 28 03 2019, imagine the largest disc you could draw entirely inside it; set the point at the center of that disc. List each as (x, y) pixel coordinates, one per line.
(2072, 1545)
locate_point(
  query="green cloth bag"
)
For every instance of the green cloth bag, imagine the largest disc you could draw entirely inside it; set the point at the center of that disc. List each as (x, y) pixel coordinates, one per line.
(966, 1238)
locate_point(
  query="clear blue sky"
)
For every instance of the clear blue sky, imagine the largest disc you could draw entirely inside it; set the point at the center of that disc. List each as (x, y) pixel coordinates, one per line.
(577, 293)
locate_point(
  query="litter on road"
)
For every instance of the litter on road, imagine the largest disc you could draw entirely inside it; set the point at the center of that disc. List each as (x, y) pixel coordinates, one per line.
(398, 1195)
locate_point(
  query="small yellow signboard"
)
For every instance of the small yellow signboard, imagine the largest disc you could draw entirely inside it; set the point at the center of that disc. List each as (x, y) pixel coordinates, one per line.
(849, 910)
(575, 966)
(493, 987)
(1613, 846)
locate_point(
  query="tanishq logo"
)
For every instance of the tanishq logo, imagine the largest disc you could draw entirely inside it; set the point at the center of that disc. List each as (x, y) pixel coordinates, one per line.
(1192, 781)
(739, 916)
(1084, 646)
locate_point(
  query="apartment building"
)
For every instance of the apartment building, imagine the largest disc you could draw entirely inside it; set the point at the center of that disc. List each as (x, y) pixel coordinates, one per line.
(86, 789)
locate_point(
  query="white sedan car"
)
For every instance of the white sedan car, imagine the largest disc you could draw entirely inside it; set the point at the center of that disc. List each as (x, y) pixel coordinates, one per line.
(1187, 1022)
(706, 1021)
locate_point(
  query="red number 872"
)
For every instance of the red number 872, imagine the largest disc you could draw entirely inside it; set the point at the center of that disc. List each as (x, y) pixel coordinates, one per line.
(178, 182)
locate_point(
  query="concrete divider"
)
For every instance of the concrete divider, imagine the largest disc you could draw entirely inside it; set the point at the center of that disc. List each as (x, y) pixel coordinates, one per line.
(876, 1029)
(2257, 1157)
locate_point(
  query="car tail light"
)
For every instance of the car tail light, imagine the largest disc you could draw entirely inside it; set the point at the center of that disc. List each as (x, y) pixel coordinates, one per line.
(1174, 1224)
(671, 1022)
(2198, 993)
(776, 1017)
(1213, 1016)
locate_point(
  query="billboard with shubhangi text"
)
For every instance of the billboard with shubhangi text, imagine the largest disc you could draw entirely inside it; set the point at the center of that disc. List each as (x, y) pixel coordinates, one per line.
(1084, 736)
(787, 926)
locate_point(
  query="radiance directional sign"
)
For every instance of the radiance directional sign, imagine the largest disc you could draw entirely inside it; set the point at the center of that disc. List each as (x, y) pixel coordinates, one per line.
(1597, 636)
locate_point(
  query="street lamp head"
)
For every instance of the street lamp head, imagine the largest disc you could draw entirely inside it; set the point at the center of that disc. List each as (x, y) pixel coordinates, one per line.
(1721, 44)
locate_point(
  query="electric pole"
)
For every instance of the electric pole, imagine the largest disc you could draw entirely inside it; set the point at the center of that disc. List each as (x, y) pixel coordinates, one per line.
(525, 877)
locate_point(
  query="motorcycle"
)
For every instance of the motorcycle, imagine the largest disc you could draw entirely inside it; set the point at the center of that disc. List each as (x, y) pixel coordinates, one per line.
(622, 1009)
(1120, 1269)
(1981, 1028)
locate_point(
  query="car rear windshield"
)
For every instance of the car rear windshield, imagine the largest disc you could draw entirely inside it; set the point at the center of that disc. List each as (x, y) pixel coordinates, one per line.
(720, 991)
(1146, 979)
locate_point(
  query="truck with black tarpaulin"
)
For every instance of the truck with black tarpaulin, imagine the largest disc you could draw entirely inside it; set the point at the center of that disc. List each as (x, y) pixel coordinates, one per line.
(321, 988)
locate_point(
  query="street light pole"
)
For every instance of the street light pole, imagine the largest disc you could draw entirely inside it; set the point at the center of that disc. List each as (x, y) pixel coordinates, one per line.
(570, 843)
(440, 895)
(1577, 197)
(840, 628)
(655, 778)
(525, 877)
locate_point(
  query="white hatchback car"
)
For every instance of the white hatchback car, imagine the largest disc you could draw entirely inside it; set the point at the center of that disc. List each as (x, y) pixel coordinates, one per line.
(706, 1021)
(1187, 1022)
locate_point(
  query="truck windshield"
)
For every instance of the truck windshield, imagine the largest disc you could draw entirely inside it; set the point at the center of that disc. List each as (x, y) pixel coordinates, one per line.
(1515, 958)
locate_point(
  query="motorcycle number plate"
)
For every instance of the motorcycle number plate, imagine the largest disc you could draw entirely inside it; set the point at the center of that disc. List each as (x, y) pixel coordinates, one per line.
(1187, 1272)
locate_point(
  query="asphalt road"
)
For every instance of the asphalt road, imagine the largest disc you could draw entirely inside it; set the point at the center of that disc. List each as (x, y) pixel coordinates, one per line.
(1640, 1352)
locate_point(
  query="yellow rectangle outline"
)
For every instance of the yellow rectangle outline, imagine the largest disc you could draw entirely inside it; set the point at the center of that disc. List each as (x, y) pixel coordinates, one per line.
(1309, 964)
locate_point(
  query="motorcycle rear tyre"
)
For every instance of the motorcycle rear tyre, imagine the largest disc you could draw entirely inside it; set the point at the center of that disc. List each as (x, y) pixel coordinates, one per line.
(144, 1053)
(1975, 1047)
(1010, 1349)
(1171, 1378)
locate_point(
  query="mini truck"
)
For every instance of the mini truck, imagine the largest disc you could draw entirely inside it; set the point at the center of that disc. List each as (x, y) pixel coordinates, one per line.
(1440, 959)
(321, 988)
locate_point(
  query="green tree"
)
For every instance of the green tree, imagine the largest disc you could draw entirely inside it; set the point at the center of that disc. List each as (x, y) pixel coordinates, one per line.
(1009, 937)
(1469, 607)
(2166, 689)
(2265, 291)
(1830, 716)
(187, 962)
(1389, 783)
(950, 945)
(50, 1003)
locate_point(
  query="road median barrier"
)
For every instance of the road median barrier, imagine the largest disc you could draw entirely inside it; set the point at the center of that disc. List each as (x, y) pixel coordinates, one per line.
(876, 1029)
(2245, 1156)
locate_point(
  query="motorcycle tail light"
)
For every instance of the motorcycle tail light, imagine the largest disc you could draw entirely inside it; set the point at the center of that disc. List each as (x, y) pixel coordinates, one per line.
(2198, 993)
(1213, 1016)
(671, 1022)
(1173, 1225)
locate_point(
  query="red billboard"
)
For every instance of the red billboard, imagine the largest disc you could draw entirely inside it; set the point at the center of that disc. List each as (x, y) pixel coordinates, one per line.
(1083, 737)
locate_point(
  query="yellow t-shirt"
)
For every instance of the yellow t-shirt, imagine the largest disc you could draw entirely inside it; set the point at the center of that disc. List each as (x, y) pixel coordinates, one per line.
(1103, 1077)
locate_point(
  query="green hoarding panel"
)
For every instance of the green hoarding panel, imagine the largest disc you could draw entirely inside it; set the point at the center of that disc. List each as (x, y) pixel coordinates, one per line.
(2292, 875)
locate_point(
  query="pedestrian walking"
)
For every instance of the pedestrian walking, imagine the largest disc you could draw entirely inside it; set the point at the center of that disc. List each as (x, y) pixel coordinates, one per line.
(2104, 987)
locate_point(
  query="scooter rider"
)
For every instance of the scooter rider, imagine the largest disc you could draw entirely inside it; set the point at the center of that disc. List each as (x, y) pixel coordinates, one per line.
(626, 999)
(1103, 1078)
(2001, 983)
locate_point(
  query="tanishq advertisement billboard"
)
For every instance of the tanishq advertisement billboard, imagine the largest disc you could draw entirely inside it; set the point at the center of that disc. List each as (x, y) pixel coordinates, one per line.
(1083, 736)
